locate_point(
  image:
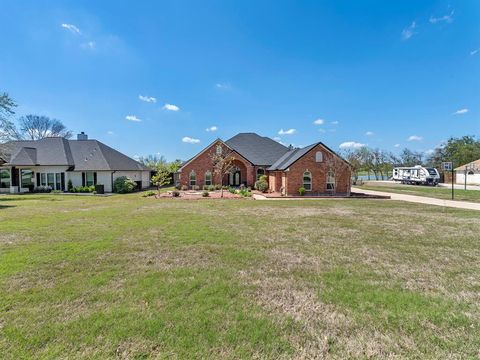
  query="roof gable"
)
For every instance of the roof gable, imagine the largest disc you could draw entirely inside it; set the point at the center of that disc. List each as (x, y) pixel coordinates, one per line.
(295, 154)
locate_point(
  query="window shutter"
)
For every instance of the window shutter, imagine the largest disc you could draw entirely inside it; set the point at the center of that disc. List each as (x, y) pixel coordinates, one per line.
(38, 179)
(83, 179)
(62, 177)
(94, 178)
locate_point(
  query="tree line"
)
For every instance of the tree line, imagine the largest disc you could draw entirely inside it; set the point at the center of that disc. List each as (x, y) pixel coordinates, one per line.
(380, 163)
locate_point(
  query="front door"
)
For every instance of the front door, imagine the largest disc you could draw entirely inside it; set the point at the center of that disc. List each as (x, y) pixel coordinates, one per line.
(235, 178)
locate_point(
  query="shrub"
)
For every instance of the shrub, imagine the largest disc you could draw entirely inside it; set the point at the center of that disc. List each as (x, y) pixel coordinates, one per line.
(84, 189)
(211, 188)
(70, 186)
(263, 178)
(57, 191)
(43, 189)
(245, 192)
(232, 190)
(178, 186)
(218, 187)
(261, 185)
(123, 185)
(148, 193)
(205, 193)
(195, 187)
(301, 191)
(175, 193)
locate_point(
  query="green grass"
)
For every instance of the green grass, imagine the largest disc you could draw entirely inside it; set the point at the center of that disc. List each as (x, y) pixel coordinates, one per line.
(429, 191)
(133, 277)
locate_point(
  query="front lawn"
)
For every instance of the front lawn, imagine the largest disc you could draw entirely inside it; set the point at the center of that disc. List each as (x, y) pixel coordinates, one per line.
(134, 277)
(444, 193)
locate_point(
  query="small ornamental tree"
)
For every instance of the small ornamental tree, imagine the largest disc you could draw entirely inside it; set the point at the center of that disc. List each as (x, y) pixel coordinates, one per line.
(223, 164)
(161, 178)
(337, 166)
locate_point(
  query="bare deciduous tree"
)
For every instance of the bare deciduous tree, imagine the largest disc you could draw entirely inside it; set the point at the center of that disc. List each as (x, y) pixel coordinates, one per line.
(223, 164)
(35, 127)
(337, 166)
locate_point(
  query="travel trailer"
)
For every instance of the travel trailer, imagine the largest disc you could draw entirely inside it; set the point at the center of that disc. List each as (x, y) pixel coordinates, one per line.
(416, 175)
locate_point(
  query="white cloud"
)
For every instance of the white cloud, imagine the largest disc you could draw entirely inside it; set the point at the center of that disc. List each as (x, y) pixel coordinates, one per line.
(397, 145)
(351, 145)
(369, 133)
(149, 99)
(277, 138)
(319, 122)
(170, 107)
(460, 112)
(222, 86)
(89, 45)
(287, 132)
(110, 132)
(447, 18)
(415, 138)
(190, 140)
(71, 28)
(334, 122)
(409, 31)
(132, 118)
(211, 129)
(322, 130)
(473, 52)
(136, 157)
(429, 151)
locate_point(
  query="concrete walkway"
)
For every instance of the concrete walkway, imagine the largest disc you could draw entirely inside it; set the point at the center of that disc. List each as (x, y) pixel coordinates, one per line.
(423, 199)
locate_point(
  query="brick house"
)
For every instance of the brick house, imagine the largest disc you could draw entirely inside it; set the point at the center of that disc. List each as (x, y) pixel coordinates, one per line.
(315, 167)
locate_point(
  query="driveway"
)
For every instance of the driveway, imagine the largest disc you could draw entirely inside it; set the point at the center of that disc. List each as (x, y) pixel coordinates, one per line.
(423, 199)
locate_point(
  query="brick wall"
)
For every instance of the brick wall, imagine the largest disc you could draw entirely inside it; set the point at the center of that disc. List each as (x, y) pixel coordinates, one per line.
(294, 177)
(203, 162)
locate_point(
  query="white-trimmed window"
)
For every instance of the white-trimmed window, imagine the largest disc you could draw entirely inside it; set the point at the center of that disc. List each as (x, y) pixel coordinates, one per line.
(208, 178)
(193, 178)
(260, 172)
(331, 181)
(307, 180)
(4, 178)
(318, 156)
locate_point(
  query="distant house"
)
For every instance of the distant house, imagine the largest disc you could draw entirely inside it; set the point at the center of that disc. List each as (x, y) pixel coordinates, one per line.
(315, 167)
(469, 172)
(54, 161)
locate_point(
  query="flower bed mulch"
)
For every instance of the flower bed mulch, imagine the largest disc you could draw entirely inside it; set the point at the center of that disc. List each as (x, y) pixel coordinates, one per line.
(197, 195)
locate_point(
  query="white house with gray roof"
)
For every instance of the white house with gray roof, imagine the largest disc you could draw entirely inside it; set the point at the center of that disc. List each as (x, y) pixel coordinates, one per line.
(55, 161)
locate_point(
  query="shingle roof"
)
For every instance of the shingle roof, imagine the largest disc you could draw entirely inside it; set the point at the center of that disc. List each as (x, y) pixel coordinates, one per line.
(81, 154)
(290, 157)
(49, 151)
(474, 165)
(259, 150)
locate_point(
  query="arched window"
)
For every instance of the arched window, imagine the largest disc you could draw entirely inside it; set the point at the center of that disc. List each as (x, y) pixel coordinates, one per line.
(193, 178)
(318, 156)
(208, 178)
(307, 180)
(219, 150)
(260, 172)
(331, 181)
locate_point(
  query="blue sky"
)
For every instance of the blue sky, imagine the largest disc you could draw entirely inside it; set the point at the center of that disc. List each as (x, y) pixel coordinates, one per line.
(151, 77)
